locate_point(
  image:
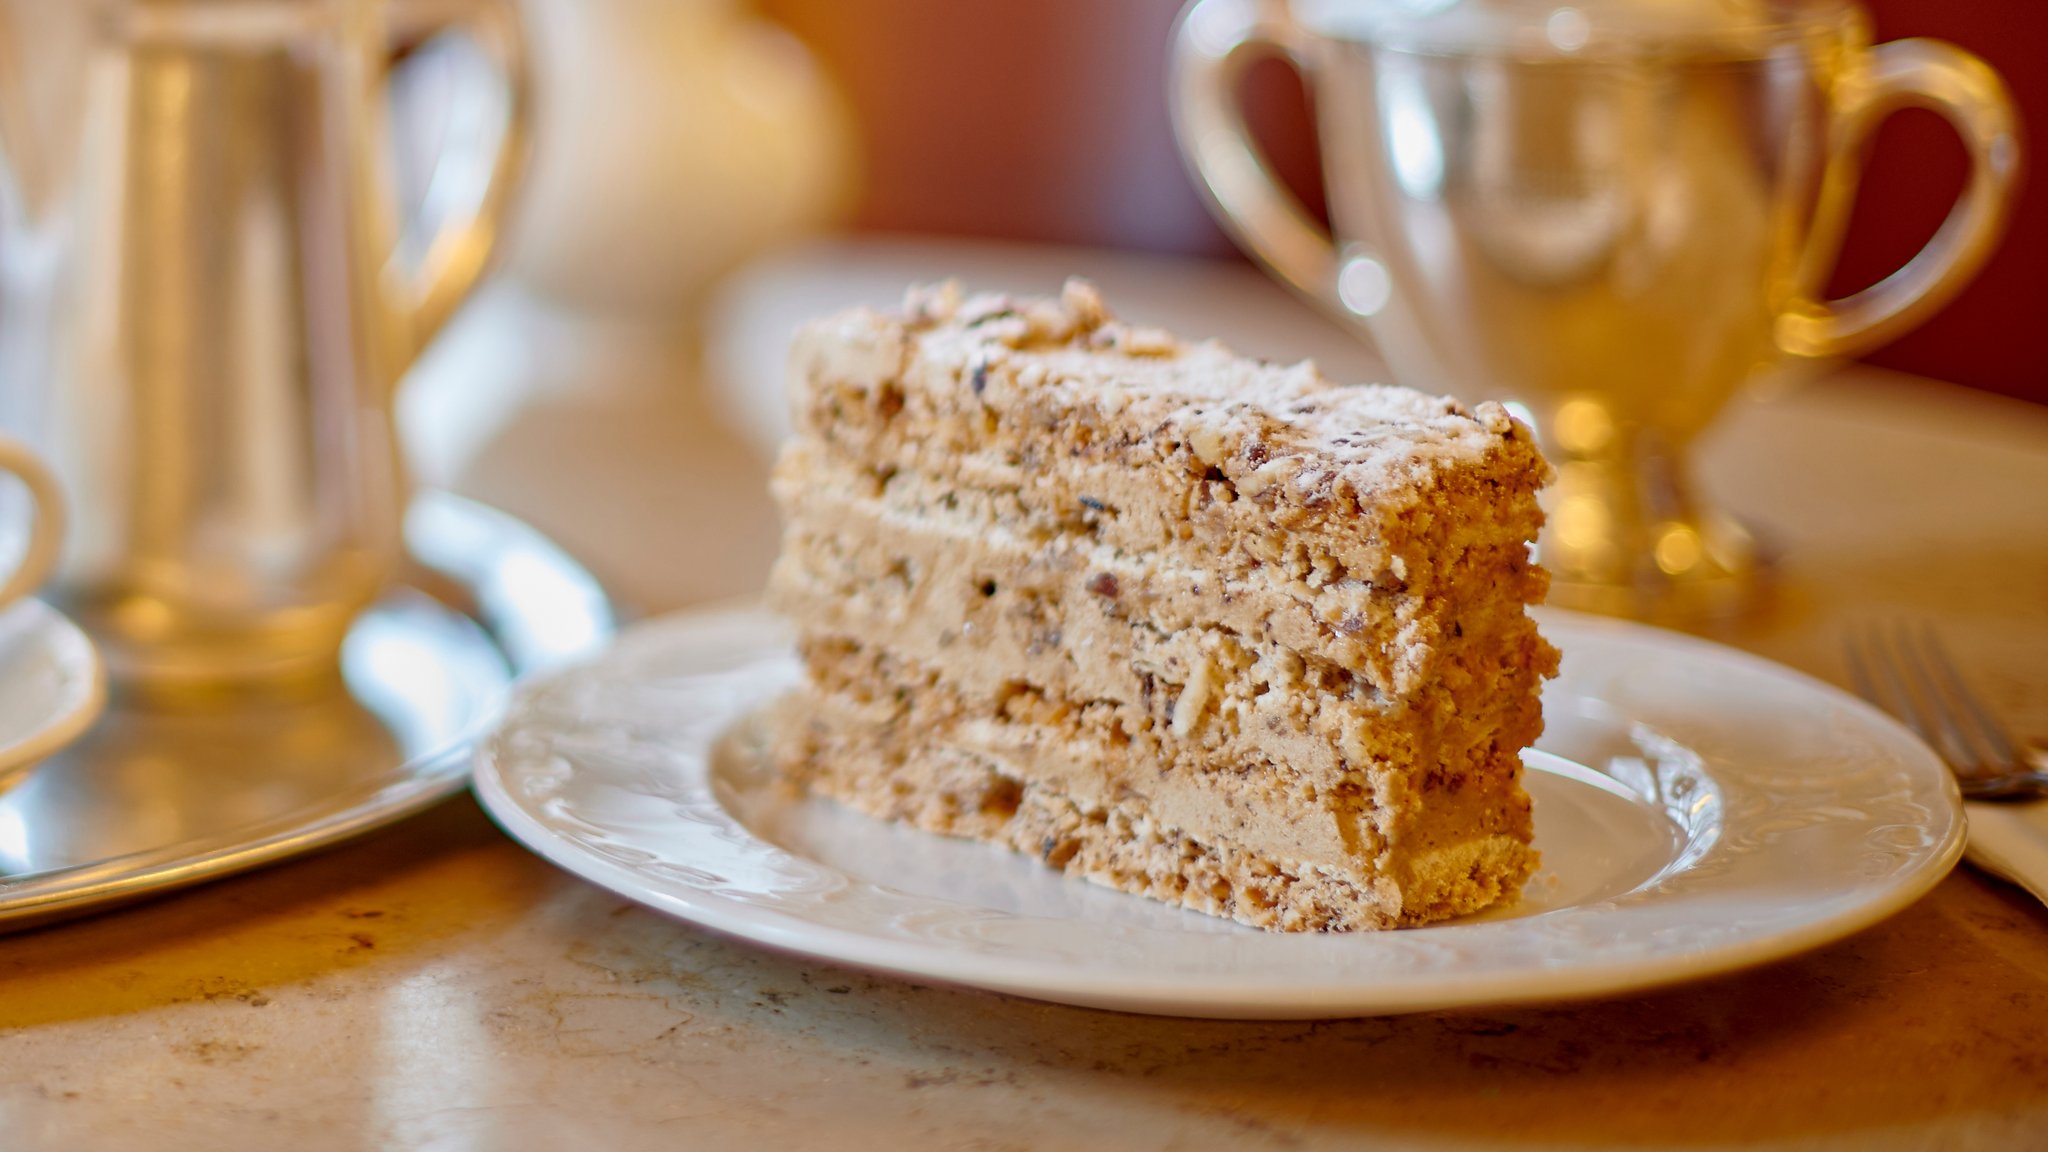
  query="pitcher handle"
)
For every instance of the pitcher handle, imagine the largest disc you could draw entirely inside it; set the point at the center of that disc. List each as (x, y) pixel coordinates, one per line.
(460, 251)
(1213, 43)
(1942, 78)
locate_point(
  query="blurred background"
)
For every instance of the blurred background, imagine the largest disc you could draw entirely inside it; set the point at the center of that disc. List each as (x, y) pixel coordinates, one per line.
(704, 173)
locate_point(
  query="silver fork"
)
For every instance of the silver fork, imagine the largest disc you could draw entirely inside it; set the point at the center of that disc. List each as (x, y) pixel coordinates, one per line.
(1906, 671)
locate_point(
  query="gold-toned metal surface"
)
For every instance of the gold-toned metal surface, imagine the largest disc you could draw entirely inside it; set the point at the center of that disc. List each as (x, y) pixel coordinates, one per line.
(211, 291)
(1616, 228)
(153, 799)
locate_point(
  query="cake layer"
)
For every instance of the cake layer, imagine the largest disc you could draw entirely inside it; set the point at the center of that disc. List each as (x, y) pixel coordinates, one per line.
(1171, 443)
(1096, 491)
(1395, 635)
(1099, 752)
(896, 773)
(996, 621)
(948, 566)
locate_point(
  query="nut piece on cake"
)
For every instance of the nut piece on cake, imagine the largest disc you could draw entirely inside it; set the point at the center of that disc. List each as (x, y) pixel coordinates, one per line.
(1188, 625)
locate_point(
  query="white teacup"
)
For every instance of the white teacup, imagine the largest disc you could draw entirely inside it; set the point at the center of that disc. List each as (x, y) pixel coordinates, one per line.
(52, 687)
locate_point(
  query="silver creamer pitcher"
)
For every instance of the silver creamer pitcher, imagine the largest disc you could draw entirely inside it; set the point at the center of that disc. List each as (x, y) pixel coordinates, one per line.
(208, 292)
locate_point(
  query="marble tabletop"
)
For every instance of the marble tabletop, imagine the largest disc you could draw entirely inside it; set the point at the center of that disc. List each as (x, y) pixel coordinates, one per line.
(435, 986)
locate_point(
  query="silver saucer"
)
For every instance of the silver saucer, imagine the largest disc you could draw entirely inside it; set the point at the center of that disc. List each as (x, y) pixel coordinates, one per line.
(151, 801)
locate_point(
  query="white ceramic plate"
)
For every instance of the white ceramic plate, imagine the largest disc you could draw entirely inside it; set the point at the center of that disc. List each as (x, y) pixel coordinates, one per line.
(1698, 810)
(51, 686)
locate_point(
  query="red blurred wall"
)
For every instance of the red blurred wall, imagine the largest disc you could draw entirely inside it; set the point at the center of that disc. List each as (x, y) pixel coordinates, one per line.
(1995, 335)
(1046, 120)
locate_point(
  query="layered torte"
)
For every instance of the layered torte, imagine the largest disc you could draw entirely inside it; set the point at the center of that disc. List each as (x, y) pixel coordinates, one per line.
(1201, 628)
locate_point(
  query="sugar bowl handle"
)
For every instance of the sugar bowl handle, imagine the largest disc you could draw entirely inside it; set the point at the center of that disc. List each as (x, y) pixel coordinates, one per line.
(1213, 43)
(1964, 90)
(452, 258)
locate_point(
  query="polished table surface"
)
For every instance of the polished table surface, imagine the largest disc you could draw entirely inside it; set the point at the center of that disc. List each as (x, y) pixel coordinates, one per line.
(436, 986)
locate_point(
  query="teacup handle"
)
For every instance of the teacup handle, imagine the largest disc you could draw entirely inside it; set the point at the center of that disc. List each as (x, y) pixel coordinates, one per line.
(46, 529)
(1941, 77)
(1213, 43)
(457, 255)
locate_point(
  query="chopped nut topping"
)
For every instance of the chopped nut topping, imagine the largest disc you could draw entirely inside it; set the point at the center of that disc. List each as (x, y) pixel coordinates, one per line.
(1083, 303)
(1146, 342)
(1265, 476)
(1187, 711)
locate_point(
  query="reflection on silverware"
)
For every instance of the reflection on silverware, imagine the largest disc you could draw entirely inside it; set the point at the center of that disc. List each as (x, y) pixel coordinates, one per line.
(415, 678)
(152, 799)
(1906, 671)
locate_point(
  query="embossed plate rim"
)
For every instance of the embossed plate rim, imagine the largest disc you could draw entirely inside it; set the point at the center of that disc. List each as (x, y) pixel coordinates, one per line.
(1868, 798)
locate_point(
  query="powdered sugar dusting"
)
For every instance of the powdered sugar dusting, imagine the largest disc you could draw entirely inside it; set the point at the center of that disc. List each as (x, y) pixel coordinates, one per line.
(1258, 423)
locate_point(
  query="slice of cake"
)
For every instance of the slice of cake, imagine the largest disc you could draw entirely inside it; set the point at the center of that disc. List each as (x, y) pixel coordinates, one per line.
(1196, 627)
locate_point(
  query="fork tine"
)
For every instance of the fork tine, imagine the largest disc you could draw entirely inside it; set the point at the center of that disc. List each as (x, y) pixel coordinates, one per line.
(1883, 688)
(1992, 736)
(1962, 753)
(1859, 671)
(1908, 673)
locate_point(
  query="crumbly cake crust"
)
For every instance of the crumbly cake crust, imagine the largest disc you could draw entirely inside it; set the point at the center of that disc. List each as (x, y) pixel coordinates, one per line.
(1273, 623)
